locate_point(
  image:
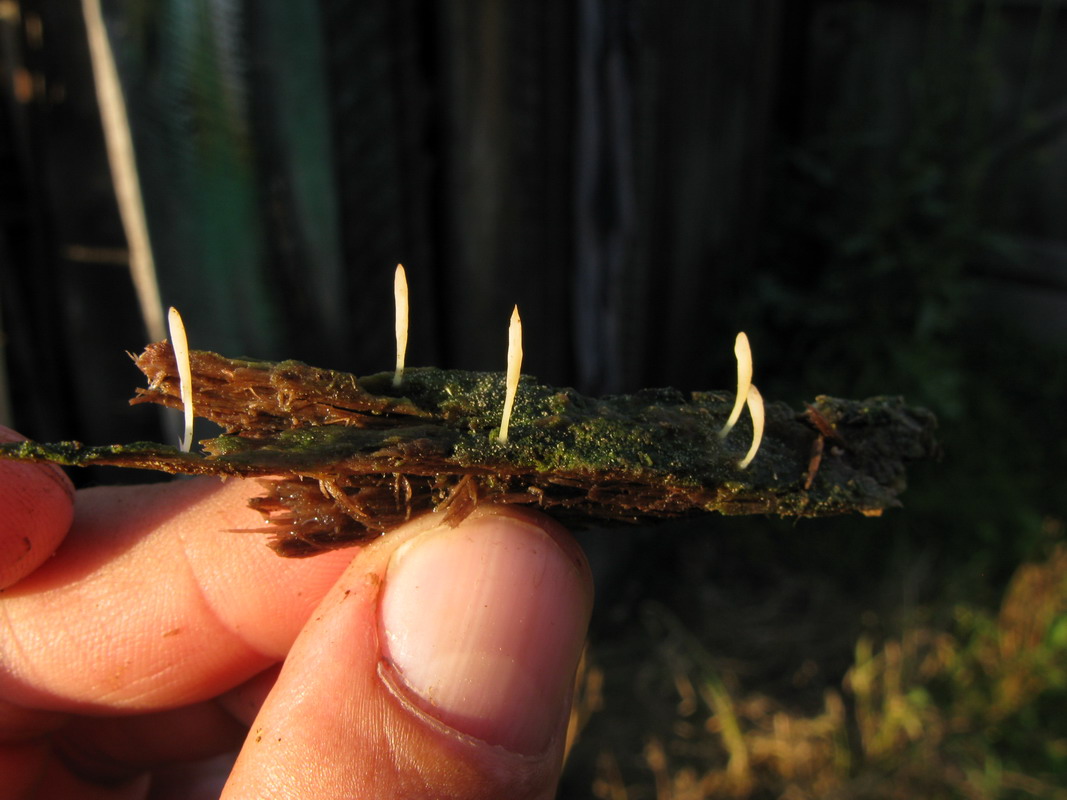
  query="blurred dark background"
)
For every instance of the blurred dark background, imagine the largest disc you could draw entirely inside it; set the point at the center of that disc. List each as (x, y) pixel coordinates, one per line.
(874, 191)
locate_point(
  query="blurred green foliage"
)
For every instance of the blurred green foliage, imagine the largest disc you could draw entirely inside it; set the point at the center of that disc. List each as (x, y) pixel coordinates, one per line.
(974, 709)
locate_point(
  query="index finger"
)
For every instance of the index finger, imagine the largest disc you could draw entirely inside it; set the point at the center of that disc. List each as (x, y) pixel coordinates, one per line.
(154, 601)
(35, 513)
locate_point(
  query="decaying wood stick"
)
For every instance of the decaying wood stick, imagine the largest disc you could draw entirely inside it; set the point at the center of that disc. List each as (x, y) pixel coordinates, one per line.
(344, 459)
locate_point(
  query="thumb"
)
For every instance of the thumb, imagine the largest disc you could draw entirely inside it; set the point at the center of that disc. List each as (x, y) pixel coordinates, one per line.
(439, 666)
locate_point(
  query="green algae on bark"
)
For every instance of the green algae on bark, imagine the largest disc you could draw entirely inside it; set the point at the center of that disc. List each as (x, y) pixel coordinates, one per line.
(343, 459)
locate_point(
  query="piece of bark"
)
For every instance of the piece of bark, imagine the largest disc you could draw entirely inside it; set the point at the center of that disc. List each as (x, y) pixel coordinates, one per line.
(344, 459)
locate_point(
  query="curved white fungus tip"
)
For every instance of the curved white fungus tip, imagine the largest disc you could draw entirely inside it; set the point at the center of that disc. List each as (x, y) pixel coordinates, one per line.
(755, 408)
(743, 352)
(180, 343)
(400, 297)
(511, 378)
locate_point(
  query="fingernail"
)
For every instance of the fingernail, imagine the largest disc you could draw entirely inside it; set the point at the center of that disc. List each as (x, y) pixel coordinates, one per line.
(483, 625)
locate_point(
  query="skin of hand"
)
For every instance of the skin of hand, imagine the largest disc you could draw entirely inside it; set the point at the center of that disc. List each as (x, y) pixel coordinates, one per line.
(146, 636)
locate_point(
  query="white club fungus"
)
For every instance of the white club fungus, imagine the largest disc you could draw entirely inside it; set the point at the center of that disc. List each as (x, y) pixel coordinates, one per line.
(511, 380)
(755, 408)
(180, 343)
(400, 295)
(743, 352)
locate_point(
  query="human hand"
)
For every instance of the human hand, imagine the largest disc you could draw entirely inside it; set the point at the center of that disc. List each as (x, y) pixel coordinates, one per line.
(435, 662)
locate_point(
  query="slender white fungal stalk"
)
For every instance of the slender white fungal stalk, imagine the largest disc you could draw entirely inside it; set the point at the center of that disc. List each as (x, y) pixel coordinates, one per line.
(743, 352)
(180, 343)
(400, 296)
(755, 408)
(511, 379)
